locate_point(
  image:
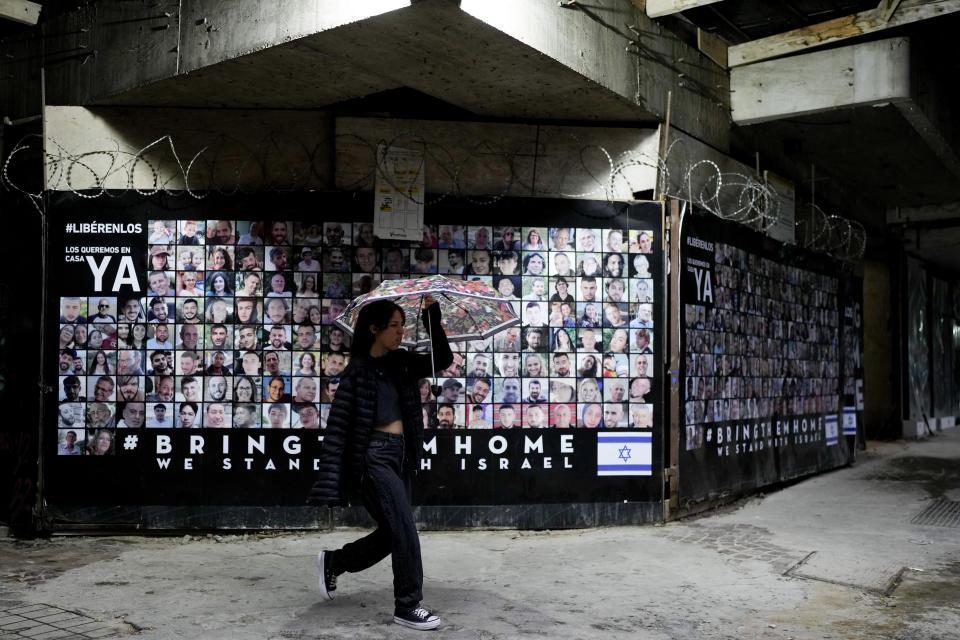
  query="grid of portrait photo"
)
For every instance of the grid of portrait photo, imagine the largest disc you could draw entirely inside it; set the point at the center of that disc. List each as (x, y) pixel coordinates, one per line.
(236, 329)
(767, 348)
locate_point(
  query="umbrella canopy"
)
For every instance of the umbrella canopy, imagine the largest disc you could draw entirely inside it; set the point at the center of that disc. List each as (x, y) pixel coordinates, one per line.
(471, 310)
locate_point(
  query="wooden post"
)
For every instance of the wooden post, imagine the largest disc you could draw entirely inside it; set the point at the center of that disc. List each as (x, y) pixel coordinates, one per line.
(672, 377)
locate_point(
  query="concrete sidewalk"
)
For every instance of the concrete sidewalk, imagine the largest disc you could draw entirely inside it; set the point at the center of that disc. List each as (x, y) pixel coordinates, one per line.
(834, 556)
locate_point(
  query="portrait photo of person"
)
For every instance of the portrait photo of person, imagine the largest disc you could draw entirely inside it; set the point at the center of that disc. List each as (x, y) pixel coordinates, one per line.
(306, 415)
(160, 415)
(189, 284)
(246, 415)
(191, 232)
(479, 262)
(562, 264)
(161, 284)
(506, 263)
(70, 415)
(187, 415)
(562, 239)
(506, 239)
(100, 443)
(338, 259)
(641, 416)
(506, 416)
(365, 259)
(588, 264)
(587, 240)
(479, 237)
(563, 416)
(451, 236)
(217, 415)
(590, 416)
(132, 415)
(248, 259)
(614, 415)
(130, 310)
(161, 232)
(449, 416)
(478, 390)
(106, 309)
(477, 418)
(159, 258)
(337, 234)
(613, 240)
(640, 266)
(276, 415)
(506, 390)
(69, 443)
(190, 258)
(615, 390)
(535, 390)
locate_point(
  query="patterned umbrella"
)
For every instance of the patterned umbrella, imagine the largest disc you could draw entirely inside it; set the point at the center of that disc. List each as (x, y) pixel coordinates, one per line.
(471, 310)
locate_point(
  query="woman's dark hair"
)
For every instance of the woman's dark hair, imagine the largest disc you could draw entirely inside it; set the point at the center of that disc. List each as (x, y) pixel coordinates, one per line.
(253, 387)
(378, 314)
(227, 260)
(426, 255)
(93, 363)
(306, 353)
(606, 266)
(554, 340)
(227, 286)
(531, 256)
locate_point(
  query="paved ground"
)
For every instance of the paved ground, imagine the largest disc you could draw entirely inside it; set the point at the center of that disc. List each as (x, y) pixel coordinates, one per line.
(835, 556)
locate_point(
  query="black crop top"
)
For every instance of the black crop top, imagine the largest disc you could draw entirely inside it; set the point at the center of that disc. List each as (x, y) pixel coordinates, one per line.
(388, 400)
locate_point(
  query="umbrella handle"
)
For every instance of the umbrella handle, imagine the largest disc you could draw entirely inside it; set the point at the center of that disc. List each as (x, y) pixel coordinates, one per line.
(434, 388)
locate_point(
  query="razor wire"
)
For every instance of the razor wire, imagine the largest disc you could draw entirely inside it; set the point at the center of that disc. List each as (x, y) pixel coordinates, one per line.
(746, 199)
(281, 162)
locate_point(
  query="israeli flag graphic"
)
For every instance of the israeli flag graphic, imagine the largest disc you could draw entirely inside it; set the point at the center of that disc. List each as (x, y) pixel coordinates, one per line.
(831, 429)
(624, 454)
(849, 421)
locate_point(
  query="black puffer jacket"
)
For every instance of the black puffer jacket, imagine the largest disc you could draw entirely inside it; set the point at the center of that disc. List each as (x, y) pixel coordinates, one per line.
(351, 418)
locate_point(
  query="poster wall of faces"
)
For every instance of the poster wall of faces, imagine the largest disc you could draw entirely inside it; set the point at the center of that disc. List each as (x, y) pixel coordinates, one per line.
(233, 327)
(761, 396)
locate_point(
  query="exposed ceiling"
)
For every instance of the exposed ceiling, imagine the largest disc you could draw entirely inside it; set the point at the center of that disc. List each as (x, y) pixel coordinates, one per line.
(434, 48)
(874, 155)
(871, 156)
(738, 21)
(867, 150)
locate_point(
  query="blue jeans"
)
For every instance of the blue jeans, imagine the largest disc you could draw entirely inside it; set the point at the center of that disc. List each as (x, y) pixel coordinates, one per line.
(385, 490)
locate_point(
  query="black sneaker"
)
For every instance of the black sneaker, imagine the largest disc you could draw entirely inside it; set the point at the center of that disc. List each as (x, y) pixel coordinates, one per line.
(417, 618)
(328, 580)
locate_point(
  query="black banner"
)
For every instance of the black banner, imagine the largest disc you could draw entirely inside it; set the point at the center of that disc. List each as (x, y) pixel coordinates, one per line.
(761, 330)
(852, 357)
(196, 350)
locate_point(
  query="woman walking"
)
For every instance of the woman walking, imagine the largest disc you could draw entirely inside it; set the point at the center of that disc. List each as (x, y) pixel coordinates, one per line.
(372, 444)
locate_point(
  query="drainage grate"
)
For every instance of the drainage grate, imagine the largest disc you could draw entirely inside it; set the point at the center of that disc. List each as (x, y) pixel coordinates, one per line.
(940, 513)
(46, 621)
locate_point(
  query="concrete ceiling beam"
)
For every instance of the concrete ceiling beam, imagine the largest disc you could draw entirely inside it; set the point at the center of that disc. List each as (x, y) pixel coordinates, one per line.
(925, 214)
(661, 8)
(925, 240)
(20, 11)
(854, 110)
(863, 74)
